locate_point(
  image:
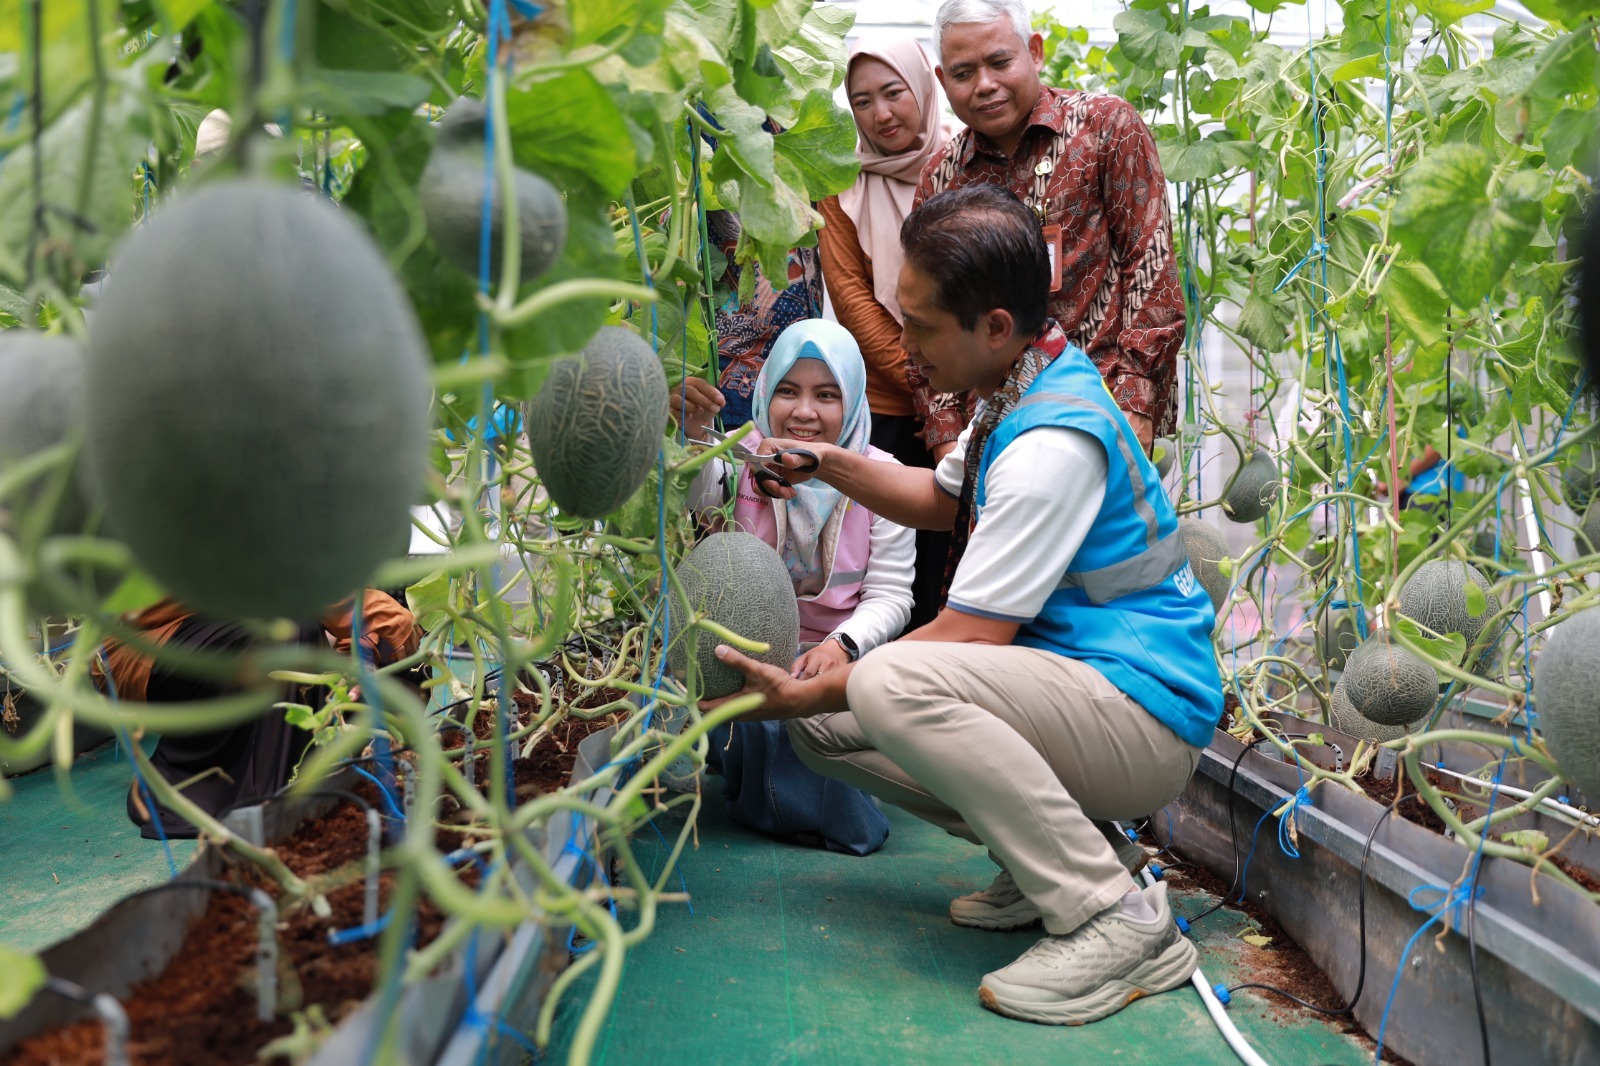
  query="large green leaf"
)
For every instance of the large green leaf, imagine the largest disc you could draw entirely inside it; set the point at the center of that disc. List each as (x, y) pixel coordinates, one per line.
(775, 219)
(1203, 159)
(1445, 218)
(821, 145)
(1565, 137)
(64, 33)
(822, 36)
(1567, 12)
(1263, 321)
(1565, 67)
(596, 21)
(21, 975)
(591, 252)
(179, 13)
(1415, 302)
(364, 92)
(383, 193)
(570, 130)
(742, 141)
(815, 59)
(1443, 13)
(1145, 39)
(778, 22)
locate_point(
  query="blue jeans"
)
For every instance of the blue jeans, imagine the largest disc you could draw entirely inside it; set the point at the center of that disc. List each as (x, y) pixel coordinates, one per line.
(767, 788)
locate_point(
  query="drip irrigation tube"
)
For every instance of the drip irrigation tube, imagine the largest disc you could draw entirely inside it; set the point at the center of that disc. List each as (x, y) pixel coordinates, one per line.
(1549, 805)
(1214, 1007)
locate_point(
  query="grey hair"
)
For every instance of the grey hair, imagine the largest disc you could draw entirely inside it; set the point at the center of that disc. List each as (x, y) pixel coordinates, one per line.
(958, 12)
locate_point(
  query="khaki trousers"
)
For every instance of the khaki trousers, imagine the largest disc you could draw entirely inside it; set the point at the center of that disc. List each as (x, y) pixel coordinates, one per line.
(1010, 747)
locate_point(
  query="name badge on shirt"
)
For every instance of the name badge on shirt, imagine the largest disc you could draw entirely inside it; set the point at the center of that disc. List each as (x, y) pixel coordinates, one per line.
(1052, 243)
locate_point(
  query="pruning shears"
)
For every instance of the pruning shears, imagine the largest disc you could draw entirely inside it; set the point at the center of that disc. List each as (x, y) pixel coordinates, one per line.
(767, 470)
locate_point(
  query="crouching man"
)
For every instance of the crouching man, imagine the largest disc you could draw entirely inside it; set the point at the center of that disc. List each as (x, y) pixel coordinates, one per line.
(1069, 677)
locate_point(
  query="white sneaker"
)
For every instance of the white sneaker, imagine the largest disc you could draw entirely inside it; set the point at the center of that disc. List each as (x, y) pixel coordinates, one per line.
(1002, 905)
(1095, 970)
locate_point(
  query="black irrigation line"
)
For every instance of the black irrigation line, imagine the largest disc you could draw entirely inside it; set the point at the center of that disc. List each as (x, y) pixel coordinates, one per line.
(1361, 905)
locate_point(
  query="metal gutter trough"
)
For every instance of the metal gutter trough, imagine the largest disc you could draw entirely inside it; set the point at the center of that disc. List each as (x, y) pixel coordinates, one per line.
(503, 975)
(509, 997)
(1538, 962)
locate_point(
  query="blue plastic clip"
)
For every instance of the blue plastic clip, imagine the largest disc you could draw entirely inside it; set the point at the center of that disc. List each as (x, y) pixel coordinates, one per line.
(1223, 995)
(1183, 925)
(1563, 799)
(1155, 871)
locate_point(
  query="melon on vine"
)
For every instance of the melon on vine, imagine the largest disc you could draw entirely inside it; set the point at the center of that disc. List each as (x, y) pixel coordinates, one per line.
(596, 424)
(740, 582)
(1389, 685)
(41, 406)
(1567, 697)
(452, 189)
(257, 402)
(1163, 453)
(1343, 716)
(1203, 541)
(1254, 488)
(1451, 596)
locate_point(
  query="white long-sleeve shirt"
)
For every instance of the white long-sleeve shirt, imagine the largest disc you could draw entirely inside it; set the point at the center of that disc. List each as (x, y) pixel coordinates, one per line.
(885, 605)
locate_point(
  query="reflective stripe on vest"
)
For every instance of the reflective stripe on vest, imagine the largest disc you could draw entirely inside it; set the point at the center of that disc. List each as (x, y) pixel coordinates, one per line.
(1146, 570)
(1140, 504)
(1162, 556)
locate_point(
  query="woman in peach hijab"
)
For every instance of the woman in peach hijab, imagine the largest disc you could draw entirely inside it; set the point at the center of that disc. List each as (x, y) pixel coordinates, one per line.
(895, 99)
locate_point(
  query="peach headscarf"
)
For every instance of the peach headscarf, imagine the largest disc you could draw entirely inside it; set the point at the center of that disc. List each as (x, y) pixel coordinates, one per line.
(880, 199)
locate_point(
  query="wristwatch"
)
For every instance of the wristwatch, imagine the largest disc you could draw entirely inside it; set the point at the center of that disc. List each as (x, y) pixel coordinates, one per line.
(848, 644)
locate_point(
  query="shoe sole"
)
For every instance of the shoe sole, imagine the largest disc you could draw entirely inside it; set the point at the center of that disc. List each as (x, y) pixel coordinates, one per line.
(1169, 970)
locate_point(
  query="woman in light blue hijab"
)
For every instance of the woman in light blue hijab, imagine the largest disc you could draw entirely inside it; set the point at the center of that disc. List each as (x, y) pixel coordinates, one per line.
(826, 401)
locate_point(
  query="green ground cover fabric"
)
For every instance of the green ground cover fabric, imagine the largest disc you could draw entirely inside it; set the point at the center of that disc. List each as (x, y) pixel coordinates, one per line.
(794, 955)
(65, 859)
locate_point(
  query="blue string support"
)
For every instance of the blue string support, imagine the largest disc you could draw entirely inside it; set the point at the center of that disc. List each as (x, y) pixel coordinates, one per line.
(1449, 907)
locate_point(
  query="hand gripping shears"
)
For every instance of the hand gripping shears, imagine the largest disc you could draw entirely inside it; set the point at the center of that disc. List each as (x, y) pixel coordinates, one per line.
(767, 470)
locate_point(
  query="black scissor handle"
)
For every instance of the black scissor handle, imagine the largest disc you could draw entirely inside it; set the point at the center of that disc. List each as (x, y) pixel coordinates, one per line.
(808, 459)
(766, 478)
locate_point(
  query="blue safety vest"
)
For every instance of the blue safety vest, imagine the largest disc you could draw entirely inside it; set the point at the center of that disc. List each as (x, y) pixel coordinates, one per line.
(1128, 604)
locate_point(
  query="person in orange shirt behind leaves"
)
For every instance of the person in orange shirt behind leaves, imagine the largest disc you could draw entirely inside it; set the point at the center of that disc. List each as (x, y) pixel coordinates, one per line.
(255, 758)
(894, 97)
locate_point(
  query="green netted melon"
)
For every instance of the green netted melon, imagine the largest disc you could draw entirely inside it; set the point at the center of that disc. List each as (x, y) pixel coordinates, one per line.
(1483, 544)
(1566, 694)
(41, 406)
(451, 193)
(737, 581)
(1580, 474)
(1344, 717)
(1203, 541)
(596, 424)
(1436, 598)
(1388, 684)
(1254, 488)
(1163, 453)
(257, 405)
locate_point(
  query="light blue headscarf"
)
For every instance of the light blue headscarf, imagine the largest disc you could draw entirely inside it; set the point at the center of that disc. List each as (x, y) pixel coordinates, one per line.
(814, 504)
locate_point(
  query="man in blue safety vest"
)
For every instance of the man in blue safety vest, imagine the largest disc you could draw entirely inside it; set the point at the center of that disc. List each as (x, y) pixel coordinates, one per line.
(1070, 675)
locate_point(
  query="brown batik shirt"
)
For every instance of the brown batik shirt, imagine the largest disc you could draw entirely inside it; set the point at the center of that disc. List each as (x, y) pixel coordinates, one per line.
(1119, 299)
